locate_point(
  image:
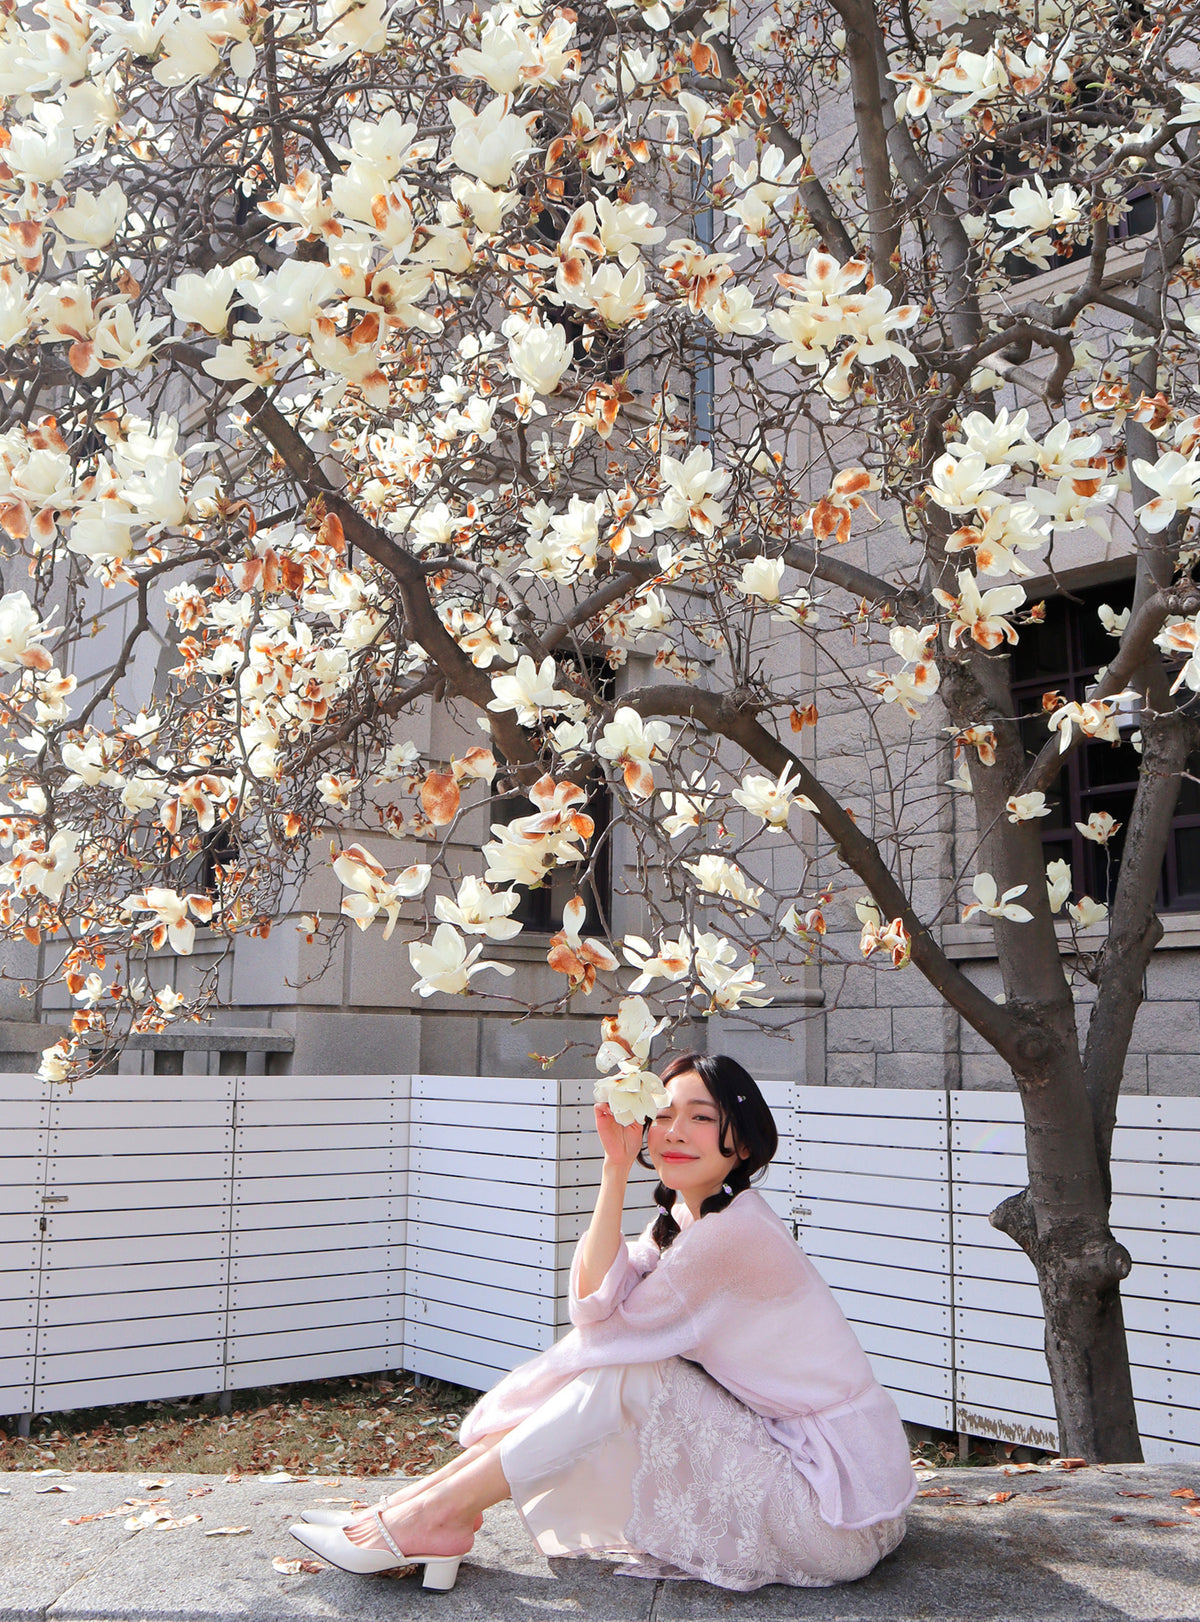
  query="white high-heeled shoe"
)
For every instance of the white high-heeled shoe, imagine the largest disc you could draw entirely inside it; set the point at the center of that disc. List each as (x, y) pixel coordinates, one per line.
(332, 1544)
(329, 1517)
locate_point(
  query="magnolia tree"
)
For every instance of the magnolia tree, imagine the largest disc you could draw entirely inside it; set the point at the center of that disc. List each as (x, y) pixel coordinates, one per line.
(382, 356)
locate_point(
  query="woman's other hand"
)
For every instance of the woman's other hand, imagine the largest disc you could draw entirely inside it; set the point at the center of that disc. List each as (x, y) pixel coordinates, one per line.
(620, 1143)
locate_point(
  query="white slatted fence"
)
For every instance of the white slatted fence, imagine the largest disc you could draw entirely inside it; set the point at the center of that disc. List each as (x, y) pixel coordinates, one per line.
(503, 1178)
(254, 1230)
(873, 1212)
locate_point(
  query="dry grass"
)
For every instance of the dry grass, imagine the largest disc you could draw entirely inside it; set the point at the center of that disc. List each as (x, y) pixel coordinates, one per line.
(365, 1426)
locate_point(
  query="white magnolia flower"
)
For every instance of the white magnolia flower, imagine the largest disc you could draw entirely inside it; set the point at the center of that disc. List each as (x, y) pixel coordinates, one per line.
(1087, 913)
(1180, 636)
(671, 960)
(94, 218)
(445, 965)
(960, 482)
(21, 633)
(1026, 807)
(41, 867)
(538, 354)
(371, 890)
(529, 690)
(55, 1065)
(487, 208)
(1058, 883)
(772, 801)
(633, 1094)
(689, 501)
(513, 857)
(981, 614)
(1099, 827)
(1176, 482)
(727, 987)
(688, 810)
(170, 924)
(733, 313)
(1113, 622)
(488, 144)
(631, 743)
(479, 910)
(625, 228)
(289, 299)
(986, 902)
(761, 577)
(505, 51)
(716, 875)
(627, 1035)
(1032, 210)
(1002, 440)
(1097, 718)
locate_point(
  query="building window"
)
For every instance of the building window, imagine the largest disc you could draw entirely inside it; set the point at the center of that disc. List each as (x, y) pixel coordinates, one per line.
(541, 909)
(996, 170)
(1063, 655)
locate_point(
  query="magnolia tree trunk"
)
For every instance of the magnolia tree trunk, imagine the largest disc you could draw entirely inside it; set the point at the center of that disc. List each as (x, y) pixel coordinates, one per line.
(1061, 1221)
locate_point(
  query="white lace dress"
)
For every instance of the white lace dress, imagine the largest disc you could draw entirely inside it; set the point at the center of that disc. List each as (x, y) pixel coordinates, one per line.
(659, 1464)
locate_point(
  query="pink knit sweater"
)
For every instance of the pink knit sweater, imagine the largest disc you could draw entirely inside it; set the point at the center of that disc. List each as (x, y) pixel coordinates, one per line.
(736, 1295)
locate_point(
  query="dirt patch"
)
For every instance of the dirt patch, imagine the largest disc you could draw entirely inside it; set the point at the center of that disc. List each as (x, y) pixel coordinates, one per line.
(362, 1426)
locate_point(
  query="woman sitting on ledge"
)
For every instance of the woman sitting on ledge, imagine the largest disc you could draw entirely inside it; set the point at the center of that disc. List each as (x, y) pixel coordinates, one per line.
(710, 1415)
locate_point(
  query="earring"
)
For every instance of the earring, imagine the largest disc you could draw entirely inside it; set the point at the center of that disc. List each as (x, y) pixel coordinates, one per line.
(725, 1188)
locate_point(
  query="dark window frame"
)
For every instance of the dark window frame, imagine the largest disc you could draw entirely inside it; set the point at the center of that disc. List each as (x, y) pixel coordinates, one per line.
(1066, 651)
(540, 908)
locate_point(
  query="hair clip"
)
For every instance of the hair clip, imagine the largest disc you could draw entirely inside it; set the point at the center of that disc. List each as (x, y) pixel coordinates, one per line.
(741, 1098)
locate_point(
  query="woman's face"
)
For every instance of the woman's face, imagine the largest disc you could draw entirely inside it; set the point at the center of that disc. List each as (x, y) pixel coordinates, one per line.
(683, 1142)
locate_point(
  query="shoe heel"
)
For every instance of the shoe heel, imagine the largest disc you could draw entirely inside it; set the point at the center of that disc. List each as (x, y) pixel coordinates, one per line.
(441, 1574)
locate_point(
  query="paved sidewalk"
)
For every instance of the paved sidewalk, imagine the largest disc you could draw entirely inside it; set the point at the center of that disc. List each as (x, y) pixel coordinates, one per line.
(1068, 1546)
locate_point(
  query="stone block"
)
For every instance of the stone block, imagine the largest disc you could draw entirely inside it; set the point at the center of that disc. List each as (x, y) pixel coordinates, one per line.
(506, 1048)
(849, 985)
(448, 1045)
(333, 1044)
(923, 1030)
(1167, 1027)
(859, 1030)
(903, 988)
(850, 1070)
(780, 1054)
(1173, 1076)
(1173, 975)
(929, 1070)
(284, 970)
(1133, 1080)
(986, 1072)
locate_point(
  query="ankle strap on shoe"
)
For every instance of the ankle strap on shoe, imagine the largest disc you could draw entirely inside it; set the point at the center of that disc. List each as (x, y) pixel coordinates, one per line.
(389, 1540)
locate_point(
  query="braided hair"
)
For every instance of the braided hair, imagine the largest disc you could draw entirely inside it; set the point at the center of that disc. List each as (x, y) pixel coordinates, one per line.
(745, 1123)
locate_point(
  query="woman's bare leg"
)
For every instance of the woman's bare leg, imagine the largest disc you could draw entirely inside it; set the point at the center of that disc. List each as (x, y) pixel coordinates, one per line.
(444, 1518)
(421, 1484)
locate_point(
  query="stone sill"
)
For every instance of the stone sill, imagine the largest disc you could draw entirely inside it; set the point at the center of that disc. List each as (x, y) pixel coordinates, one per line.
(1122, 264)
(975, 942)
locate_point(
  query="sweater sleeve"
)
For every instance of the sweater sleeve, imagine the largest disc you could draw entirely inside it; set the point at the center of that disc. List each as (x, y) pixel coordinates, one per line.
(629, 1267)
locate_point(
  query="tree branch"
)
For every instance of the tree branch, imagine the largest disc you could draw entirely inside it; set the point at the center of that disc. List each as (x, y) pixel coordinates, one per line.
(724, 716)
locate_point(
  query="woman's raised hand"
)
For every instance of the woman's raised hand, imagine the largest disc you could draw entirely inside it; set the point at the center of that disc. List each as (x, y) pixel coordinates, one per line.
(620, 1143)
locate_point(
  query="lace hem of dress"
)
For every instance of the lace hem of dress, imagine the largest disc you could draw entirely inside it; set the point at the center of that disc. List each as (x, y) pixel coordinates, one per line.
(716, 1497)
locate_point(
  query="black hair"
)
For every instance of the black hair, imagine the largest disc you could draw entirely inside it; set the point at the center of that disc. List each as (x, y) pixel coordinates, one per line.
(746, 1123)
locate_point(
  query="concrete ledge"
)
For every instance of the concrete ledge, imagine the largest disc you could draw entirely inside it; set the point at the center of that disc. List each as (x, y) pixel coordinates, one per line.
(976, 942)
(210, 1039)
(1078, 1546)
(28, 1035)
